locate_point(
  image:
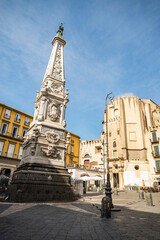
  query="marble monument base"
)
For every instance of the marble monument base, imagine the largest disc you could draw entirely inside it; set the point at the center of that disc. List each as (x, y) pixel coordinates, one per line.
(33, 182)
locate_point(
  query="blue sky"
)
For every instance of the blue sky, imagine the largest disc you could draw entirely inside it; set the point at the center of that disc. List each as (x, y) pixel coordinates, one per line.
(112, 45)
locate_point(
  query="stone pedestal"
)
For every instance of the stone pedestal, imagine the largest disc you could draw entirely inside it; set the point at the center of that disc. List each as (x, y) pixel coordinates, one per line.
(40, 182)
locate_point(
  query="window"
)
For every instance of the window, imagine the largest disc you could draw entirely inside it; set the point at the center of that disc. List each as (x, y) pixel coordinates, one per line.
(24, 132)
(14, 131)
(10, 151)
(4, 128)
(110, 134)
(98, 149)
(7, 113)
(71, 161)
(114, 153)
(154, 136)
(71, 150)
(117, 132)
(27, 121)
(156, 150)
(1, 147)
(20, 152)
(18, 117)
(114, 144)
(158, 165)
(72, 139)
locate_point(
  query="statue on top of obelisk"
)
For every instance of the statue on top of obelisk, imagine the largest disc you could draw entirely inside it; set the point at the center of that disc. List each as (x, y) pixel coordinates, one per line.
(60, 31)
(42, 175)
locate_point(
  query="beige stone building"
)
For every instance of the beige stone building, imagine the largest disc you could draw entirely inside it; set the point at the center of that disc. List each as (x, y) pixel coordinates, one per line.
(90, 153)
(133, 138)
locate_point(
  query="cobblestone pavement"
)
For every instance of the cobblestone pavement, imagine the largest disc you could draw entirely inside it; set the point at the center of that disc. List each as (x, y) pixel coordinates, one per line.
(81, 219)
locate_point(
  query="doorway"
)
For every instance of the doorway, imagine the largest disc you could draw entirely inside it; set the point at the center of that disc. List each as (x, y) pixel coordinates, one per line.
(116, 180)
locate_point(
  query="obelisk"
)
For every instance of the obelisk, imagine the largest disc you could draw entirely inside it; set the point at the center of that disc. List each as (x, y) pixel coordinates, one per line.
(42, 175)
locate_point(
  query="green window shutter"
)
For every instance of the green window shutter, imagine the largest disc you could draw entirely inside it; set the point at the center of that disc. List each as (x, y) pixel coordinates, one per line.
(156, 150)
(158, 165)
(154, 136)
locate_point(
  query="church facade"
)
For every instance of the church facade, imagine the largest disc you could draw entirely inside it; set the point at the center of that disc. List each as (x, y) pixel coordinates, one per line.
(133, 138)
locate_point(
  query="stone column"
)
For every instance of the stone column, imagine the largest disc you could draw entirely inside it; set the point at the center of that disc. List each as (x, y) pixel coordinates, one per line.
(41, 110)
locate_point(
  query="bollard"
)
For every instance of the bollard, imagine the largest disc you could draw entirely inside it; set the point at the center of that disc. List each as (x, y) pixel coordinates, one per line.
(115, 191)
(106, 207)
(149, 199)
(141, 195)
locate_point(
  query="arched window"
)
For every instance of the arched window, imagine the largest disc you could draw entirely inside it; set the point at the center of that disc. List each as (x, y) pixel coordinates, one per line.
(114, 144)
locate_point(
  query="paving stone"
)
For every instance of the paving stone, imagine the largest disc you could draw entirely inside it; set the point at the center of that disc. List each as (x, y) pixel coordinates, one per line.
(81, 220)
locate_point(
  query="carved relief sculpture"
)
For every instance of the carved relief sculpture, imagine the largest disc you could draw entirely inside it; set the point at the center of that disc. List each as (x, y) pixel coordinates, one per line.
(53, 111)
(51, 149)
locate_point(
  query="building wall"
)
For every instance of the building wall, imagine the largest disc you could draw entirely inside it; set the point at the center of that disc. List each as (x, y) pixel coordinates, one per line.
(72, 156)
(90, 152)
(10, 157)
(130, 149)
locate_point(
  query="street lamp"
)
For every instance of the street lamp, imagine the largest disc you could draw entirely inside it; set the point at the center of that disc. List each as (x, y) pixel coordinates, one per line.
(108, 189)
(106, 203)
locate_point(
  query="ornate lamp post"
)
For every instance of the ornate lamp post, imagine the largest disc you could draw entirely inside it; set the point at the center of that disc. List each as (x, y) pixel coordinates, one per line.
(107, 201)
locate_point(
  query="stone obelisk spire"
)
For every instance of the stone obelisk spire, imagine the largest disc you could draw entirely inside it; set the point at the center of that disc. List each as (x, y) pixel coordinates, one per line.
(41, 175)
(48, 126)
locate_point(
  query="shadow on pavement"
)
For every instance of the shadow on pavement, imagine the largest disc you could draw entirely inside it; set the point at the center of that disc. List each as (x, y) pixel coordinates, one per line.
(4, 207)
(77, 221)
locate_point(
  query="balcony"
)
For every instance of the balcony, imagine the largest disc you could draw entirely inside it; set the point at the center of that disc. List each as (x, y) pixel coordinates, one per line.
(10, 135)
(14, 156)
(155, 140)
(156, 154)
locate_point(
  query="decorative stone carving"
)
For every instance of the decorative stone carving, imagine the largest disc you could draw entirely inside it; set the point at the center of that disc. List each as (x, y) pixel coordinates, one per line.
(52, 137)
(56, 88)
(51, 149)
(41, 110)
(53, 111)
(38, 94)
(32, 139)
(64, 123)
(66, 93)
(57, 70)
(44, 87)
(37, 105)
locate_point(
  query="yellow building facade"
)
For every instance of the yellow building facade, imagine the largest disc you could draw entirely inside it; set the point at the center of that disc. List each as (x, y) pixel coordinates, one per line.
(72, 156)
(13, 126)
